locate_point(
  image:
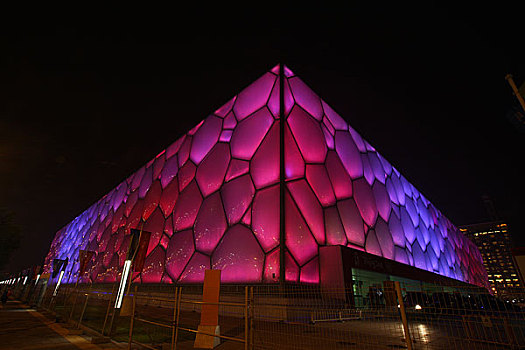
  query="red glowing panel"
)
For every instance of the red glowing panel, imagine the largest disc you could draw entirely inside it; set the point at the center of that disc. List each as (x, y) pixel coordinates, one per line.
(318, 179)
(310, 208)
(137, 178)
(306, 98)
(184, 152)
(382, 200)
(365, 201)
(154, 266)
(308, 134)
(339, 178)
(254, 96)
(334, 118)
(210, 174)
(271, 267)
(274, 101)
(186, 207)
(155, 225)
(239, 256)
(299, 239)
(237, 168)
(348, 154)
(265, 163)
(293, 161)
(171, 167)
(179, 252)
(169, 197)
(225, 109)
(396, 230)
(237, 196)
(210, 224)
(288, 98)
(352, 221)
(385, 239)
(205, 138)
(249, 134)
(152, 199)
(230, 122)
(146, 182)
(266, 217)
(194, 271)
(186, 175)
(291, 270)
(372, 245)
(310, 272)
(335, 233)
(158, 166)
(174, 147)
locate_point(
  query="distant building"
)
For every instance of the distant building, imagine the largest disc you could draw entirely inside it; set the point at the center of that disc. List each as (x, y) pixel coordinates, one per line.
(494, 242)
(518, 253)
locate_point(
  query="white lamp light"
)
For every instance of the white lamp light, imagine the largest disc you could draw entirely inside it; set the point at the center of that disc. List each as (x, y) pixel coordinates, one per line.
(123, 282)
(58, 284)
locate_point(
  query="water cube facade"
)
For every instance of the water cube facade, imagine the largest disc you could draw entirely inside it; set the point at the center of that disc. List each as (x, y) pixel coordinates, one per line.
(211, 200)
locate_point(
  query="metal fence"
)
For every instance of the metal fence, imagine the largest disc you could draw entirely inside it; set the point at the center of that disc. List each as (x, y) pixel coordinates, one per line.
(386, 315)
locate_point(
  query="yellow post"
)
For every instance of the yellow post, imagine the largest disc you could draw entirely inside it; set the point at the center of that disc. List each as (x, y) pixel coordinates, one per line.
(403, 315)
(209, 311)
(509, 79)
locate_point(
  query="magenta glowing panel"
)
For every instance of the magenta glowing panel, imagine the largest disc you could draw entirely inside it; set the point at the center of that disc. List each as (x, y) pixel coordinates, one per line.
(211, 200)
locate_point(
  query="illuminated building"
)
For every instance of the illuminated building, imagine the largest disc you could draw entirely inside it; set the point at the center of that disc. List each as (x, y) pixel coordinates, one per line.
(226, 196)
(494, 242)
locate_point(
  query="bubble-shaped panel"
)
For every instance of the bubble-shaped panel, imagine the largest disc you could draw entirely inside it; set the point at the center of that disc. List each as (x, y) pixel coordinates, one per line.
(239, 256)
(179, 252)
(210, 224)
(265, 220)
(210, 173)
(308, 134)
(249, 134)
(237, 196)
(186, 208)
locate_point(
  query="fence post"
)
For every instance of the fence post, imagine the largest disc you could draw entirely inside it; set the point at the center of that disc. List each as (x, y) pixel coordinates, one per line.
(246, 323)
(50, 300)
(74, 303)
(466, 326)
(510, 333)
(177, 319)
(173, 324)
(403, 315)
(109, 307)
(83, 311)
(251, 313)
(132, 318)
(252, 318)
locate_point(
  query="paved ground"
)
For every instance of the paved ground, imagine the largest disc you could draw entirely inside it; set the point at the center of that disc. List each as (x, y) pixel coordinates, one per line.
(23, 328)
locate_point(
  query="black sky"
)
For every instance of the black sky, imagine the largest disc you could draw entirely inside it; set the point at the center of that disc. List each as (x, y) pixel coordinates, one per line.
(88, 98)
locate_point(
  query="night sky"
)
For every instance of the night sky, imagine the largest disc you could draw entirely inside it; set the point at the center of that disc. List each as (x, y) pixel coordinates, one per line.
(88, 98)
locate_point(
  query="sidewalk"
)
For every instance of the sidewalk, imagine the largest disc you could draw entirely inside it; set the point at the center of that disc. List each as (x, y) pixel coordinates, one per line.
(23, 328)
